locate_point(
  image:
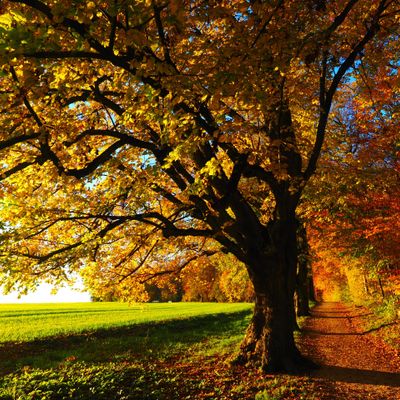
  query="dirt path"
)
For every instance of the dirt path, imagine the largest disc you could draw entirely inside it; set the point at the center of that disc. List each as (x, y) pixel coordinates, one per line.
(356, 365)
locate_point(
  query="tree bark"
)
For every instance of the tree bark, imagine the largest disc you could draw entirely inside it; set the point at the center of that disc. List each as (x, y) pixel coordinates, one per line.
(302, 289)
(381, 287)
(269, 340)
(366, 284)
(311, 289)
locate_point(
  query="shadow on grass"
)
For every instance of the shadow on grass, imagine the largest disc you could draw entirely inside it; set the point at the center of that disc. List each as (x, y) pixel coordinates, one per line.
(149, 340)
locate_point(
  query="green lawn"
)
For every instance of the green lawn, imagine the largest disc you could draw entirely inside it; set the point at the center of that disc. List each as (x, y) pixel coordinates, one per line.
(27, 322)
(111, 351)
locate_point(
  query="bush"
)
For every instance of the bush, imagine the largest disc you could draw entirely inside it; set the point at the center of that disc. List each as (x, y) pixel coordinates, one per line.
(388, 309)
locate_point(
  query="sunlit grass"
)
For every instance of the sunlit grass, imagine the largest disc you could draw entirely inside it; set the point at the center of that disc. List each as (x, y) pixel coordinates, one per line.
(27, 322)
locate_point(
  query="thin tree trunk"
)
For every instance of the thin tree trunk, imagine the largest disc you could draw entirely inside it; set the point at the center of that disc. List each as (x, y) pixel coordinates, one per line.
(366, 284)
(302, 290)
(381, 287)
(311, 289)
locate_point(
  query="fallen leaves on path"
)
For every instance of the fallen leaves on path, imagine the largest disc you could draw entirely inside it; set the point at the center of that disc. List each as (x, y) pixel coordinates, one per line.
(355, 363)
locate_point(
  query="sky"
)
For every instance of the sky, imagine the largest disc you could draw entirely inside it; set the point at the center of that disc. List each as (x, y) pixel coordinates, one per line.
(43, 295)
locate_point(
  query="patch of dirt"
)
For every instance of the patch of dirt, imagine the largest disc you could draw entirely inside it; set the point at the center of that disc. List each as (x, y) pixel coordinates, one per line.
(355, 363)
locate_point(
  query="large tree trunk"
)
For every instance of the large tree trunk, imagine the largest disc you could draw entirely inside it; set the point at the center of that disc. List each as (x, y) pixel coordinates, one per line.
(269, 339)
(271, 258)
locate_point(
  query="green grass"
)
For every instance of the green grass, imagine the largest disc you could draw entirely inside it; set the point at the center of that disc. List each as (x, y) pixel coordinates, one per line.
(27, 322)
(159, 352)
(208, 335)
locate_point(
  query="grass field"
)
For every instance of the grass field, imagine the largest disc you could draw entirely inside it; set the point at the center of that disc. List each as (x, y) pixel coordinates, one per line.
(109, 351)
(27, 322)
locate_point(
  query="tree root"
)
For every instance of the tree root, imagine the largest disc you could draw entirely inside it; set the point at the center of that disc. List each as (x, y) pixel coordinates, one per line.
(293, 364)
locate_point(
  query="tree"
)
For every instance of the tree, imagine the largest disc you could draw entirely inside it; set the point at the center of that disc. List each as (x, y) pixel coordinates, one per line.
(220, 278)
(133, 128)
(303, 289)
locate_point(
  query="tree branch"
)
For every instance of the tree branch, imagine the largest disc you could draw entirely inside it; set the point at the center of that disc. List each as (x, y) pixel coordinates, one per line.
(340, 18)
(161, 33)
(4, 144)
(16, 168)
(50, 54)
(328, 97)
(181, 267)
(141, 263)
(46, 257)
(105, 156)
